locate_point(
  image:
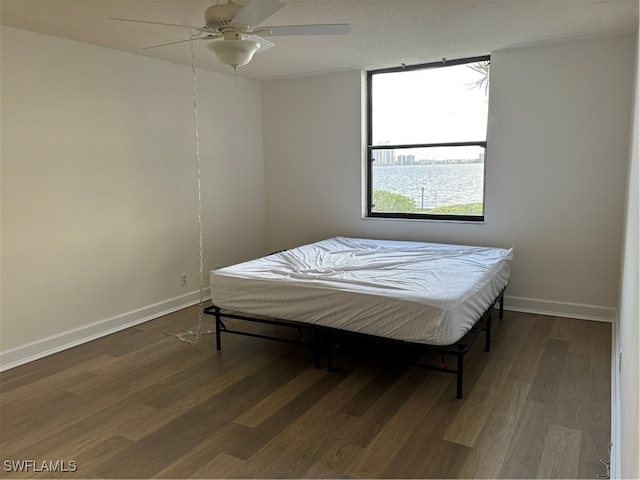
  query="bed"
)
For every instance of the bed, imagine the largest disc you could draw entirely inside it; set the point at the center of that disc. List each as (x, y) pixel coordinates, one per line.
(436, 296)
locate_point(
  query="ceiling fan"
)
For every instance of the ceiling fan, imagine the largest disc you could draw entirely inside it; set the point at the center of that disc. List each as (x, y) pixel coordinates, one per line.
(231, 30)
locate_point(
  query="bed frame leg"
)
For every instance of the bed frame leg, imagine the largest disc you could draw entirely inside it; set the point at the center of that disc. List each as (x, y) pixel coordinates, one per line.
(501, 314)
(459, 373)
(218, 323)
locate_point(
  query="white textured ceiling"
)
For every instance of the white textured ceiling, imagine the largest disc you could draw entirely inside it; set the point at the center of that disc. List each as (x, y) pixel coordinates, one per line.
(384, 32)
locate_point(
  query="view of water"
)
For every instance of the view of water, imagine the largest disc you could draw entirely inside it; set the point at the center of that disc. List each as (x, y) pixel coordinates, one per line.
(445, 184)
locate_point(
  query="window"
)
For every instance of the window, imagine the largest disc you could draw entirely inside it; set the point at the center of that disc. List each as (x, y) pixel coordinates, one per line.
(427, 140)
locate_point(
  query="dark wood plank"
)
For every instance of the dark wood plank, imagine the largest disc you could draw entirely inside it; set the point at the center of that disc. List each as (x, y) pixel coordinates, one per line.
(561, 453)
(478, 405)
(573, 391)
(492, 445)
(528, 350)
(248, 440)
(371, 393)
(376, 416)
(421, 392)
(176, 438)
(545, 384)
(414, 457)
(525, 451)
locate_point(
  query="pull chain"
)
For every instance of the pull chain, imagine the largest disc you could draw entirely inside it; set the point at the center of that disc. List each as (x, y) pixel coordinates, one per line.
(193, 336)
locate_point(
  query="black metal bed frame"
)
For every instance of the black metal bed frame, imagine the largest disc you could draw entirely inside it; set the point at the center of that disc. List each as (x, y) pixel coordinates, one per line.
(323, 338)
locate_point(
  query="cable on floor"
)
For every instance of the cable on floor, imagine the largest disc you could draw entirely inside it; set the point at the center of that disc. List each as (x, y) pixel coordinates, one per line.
(607, 464)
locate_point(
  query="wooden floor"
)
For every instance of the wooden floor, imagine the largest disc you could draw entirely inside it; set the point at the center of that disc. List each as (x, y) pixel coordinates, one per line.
(140, 404)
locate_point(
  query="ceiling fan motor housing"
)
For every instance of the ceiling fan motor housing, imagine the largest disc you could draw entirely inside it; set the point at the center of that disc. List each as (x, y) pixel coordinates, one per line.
(218, 16)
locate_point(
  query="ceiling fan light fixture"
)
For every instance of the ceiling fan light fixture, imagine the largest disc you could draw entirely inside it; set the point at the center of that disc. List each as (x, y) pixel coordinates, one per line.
(234, 52)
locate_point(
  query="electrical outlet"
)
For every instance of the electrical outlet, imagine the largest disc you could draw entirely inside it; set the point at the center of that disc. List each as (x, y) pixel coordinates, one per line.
(183, 279)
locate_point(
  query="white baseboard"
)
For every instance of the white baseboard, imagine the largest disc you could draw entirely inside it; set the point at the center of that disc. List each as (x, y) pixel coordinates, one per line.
(71, 338)
(615, 403)
(560, 309)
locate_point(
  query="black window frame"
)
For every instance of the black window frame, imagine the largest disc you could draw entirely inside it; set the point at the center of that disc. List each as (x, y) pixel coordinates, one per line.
(371, 147)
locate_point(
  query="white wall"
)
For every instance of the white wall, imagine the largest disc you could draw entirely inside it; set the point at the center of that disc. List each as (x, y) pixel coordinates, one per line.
(556, 169)
(627, 368)
(312, 148)
(99, 205)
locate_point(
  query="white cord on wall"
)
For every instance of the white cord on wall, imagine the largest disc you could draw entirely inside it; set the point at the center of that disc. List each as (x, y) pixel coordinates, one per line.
(193, 336)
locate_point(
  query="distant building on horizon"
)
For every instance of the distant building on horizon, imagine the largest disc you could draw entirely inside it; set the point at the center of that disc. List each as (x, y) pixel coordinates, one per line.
(384, 157)
(406, 159)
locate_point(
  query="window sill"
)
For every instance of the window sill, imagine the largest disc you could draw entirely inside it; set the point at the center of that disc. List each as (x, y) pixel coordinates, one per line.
(423, 220)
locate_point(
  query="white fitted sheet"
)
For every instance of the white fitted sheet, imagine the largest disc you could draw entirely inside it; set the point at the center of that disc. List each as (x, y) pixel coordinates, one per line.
(412, 291)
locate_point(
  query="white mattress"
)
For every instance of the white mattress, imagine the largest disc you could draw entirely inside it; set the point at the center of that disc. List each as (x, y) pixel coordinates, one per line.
(412, 291)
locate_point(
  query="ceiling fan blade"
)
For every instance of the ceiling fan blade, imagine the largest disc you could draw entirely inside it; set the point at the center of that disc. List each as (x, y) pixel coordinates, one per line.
(264, 44)
(208, 37)
(290, 30)
(204, 30)
(257, 11)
